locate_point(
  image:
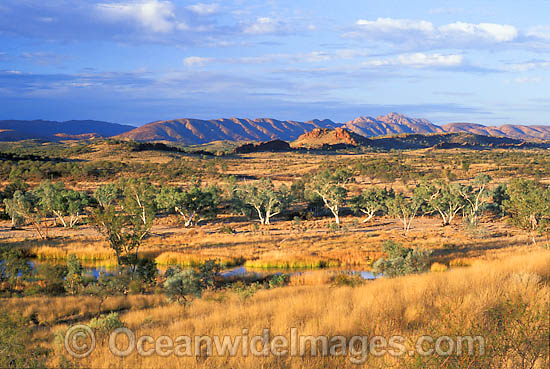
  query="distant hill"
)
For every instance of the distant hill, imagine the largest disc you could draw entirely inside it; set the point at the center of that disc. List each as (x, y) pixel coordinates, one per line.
(196, 131)
(341, 138)
(507, 130)
(390, 124)
(16, 130)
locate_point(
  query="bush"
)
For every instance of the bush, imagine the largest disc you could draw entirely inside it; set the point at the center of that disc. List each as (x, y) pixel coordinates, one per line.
(245, 291)
(106, 323)
(16, 345)
(278, 280)
(401, 260)
(348, 280)
(183, 284)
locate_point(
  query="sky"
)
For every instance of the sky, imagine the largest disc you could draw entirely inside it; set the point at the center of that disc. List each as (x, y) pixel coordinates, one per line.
(139, 61)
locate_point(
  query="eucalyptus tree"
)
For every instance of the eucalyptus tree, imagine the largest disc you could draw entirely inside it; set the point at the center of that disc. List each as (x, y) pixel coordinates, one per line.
(194, 204)
(444, 198)
(371, 202)
(405, 208)
(263, 198)
(529, 206)
(125, 217)
(329, 186)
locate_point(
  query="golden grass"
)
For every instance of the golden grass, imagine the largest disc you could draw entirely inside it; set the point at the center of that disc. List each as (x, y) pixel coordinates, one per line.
(438, 267)
(460, 301)
(295, 262)
(178, 258)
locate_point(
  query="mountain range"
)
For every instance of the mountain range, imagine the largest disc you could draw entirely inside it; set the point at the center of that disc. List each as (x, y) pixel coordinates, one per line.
(16, 130)
(197, 131)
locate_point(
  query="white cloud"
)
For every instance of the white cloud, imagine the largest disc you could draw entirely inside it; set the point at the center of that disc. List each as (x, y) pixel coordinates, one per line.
(418, 60)
(204, 9)
(421, 31)
(524, 67)
(154, 15)
(390, 25)
(192, 61)
(489, 31)
(263, 25)
(540, 32)
(524, 80)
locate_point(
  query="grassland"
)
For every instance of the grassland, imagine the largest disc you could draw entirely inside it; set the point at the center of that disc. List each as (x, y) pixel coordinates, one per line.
(505, 301)
(489, 281)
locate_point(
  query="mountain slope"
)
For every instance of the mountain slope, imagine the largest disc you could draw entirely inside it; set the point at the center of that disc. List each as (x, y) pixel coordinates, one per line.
(341, 138)
(14, 130)
(507, 130)
(390, 124)
(196, 131)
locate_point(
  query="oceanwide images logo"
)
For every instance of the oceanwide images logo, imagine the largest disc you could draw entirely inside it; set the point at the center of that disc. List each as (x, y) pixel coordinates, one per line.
(123, 342)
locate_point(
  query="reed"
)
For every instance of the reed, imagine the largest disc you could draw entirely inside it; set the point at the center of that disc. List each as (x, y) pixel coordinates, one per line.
(292, 263)
(193, 260)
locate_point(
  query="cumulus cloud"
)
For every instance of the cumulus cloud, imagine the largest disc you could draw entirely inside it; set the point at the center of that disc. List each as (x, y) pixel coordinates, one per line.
(204, 9)
(154, 15)
(419, 60)
(425, 32)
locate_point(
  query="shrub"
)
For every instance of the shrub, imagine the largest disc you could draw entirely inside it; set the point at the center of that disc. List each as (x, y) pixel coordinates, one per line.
(245, 291)
(181, 285)
(278, 280)
(401, 260)
(345, 279)
(17, 347)
(106, 323)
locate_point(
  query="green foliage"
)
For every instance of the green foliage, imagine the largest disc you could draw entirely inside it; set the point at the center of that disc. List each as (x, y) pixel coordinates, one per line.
(264, 199)
(146, 270)
(278, 280)
(245, 291)
(444, 198)
(328, 185)
(347, 280)
(125, 216)
(105, 324)
(207, 273)
(73, 281)
(372, 202)
(14, 268)
(17, 347)
(499, 196)
(181, 285)
(405, 208)
(528, 205)
(193, 205)
(54, 199)
(401, 260)
(477, 197)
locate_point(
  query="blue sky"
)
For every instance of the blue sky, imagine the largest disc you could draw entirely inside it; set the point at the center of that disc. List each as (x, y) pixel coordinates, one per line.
(138, 61)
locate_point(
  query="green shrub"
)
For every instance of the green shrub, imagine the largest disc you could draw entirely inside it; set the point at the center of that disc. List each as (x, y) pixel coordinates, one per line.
(106, 323)
(183, 284)
(17, 348)
(345, 279)
(278, 280)
(402, 260)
